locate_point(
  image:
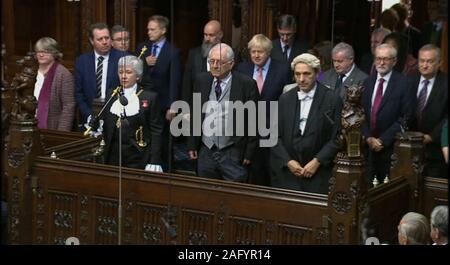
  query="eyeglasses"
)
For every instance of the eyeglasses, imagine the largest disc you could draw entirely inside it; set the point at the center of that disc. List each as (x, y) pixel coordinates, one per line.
(383, 59)
(219, 62)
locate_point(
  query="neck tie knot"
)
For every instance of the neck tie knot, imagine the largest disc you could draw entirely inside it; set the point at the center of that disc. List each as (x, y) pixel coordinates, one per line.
(260, 79)
(154, 49)
(422, 99)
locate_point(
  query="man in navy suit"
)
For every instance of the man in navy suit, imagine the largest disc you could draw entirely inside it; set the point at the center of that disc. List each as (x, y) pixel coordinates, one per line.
(96, 72)
(270, 76)
(287, 46)
(430, 88)
(162, 72)
(387, 102)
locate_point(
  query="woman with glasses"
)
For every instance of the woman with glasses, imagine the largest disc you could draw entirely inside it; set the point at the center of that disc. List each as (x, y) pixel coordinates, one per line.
(54, 88)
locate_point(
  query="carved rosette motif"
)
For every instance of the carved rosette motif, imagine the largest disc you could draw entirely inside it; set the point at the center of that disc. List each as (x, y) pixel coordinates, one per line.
(106, 221)
(322, 236)
(62, 219)
(84, 219)
(245, 232)
(40, 216)
(270, 229)
(340, 229)
(354, 189)
(197, 225)
(16, 157)
(331, 183)
(129, 221)
(394, 160)
(14, 218)
(151, 228)
(220, 223)
(152, 233)
(341, 202)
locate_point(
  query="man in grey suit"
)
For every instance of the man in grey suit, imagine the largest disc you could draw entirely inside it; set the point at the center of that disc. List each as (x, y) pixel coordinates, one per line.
(344, 72)
(221, 151)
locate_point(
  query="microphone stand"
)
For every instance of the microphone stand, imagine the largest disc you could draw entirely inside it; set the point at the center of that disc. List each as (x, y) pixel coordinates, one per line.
(94, 119)
(122, 120)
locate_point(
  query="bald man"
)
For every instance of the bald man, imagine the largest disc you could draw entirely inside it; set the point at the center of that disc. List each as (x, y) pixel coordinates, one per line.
(196, 62)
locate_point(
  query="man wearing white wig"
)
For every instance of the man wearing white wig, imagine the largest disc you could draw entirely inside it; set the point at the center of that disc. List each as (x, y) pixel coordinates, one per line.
(302, 158)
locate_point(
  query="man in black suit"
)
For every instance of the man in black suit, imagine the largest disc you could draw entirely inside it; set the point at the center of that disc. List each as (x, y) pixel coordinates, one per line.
(344, 72)
(162, 72)
(287, 46)
(432, 31)
(270, 76)
(222, 152)
(387, 101)
(302, 158)
(431, 90)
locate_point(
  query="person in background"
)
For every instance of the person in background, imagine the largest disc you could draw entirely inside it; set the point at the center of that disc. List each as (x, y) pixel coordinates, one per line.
(288, 46)
(96, 71)
(140, 121)
(412, 34)
(120, 38)
(406, 63)
(344, 72)
(439, 225)
(376, 38)
(414, 229)
(54, 88)
(389, 19)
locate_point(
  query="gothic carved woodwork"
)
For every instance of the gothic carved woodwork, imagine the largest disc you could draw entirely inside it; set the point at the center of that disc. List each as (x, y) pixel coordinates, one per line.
(199, 226)
(244, 230)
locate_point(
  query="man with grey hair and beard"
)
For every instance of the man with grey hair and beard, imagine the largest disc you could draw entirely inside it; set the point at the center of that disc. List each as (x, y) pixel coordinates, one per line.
(196, 62)
(302, 159)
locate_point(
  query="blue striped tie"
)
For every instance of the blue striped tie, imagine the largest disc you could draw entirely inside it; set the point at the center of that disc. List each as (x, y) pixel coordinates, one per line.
(422, 99)
(99, 75)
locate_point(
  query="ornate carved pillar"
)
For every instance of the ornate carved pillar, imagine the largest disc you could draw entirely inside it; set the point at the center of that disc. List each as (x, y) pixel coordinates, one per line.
(244, 28)
(347, 199)
(91, 12)
(22, 147)
(407, 161)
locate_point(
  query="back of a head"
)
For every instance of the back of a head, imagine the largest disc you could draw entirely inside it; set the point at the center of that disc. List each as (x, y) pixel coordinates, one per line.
(118, 28)
(439, 219)
(389, 19)
(415, 227)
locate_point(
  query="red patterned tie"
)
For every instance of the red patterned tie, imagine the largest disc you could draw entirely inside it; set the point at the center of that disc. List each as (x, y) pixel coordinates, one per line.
(376, 106)
(260, 79)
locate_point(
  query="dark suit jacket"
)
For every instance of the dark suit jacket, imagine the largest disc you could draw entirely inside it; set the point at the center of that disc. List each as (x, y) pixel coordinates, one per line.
(435, 111)
(396, 107)
(366, 62)
(150, 118)
(195, 64)
(315, 141)
(85, 79)
(164, 77)
(242, 89)
(298, 47)
(427, 31)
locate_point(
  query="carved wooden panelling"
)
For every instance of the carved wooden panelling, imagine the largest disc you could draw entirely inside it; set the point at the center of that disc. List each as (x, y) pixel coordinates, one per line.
(105, 221)
(294, 235)
(150, 227)
(62, 213)
(245, 231)
(197, 227)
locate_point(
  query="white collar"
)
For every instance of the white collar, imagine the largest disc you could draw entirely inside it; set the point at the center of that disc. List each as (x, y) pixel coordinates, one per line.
(302, 95)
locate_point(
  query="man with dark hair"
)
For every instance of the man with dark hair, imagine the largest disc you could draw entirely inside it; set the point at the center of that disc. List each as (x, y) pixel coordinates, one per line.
(412, 34)
(376, 38)
(96, 71)
(120, 38)
(162, 72)
(288, 46)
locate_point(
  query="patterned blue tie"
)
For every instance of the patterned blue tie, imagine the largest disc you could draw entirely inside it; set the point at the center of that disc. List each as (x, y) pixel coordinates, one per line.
(422, 100)
(218, 89)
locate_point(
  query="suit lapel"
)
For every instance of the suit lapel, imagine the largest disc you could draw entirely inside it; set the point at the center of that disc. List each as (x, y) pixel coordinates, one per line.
(292, 120)
(435, 92)
(235, 90)
(271, 75)
(207, 89)
(389, 90)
